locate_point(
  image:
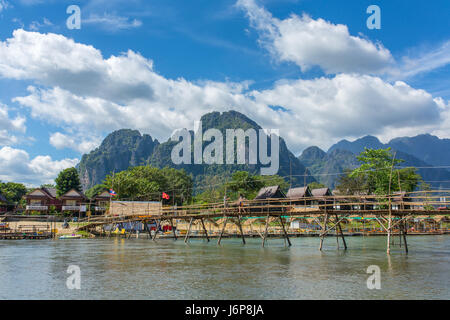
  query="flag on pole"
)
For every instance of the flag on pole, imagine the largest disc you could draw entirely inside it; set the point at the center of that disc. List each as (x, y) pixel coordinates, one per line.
(165, 196)
(112, 192)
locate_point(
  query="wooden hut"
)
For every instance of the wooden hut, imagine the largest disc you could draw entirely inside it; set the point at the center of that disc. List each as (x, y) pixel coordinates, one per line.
(42, 199)
(268, 193)
(74, 201)
(299, 196)
(273, 192)
(322, 198)
(101, 202)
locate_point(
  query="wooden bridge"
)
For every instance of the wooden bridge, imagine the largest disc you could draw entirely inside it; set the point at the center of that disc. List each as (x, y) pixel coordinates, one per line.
(392, 213)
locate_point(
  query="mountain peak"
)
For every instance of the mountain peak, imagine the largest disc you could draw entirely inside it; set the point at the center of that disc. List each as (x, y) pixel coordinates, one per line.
(358, 145)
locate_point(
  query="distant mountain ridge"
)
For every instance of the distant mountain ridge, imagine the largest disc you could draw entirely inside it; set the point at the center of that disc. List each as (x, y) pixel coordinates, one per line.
(422, 151)
(127, 148)
(426, 147)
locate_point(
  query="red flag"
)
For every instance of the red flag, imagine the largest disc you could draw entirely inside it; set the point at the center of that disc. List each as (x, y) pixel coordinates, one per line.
(165, 196)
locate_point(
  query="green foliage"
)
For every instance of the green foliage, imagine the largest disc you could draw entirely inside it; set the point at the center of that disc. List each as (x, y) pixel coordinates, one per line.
(316, 185)
(146, 183)
(348, 185)
(374, 173)
(67, 180)
(244, 183)
(13, 192)
(95, 190)
(48, 185)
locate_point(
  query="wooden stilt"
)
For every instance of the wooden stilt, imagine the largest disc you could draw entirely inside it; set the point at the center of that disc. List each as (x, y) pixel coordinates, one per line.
(341, 233)
(265, 232)
(188, 233)
(337, 233)
(156, 230)
(404, 236)
(324, 229)
(223, 230)
(146, 227)
(286, 237)
(173, 229)
(204, 229)
(240, 229)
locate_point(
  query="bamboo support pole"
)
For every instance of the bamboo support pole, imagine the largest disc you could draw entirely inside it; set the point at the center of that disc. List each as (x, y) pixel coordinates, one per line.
(286, 236)
(322, 236)
(266, 230)
(223, 230)
(173, 229)
(186, 239)
(240, 229)
(204, 229)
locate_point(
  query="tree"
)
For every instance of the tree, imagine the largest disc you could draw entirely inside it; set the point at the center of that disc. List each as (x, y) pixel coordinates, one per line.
(316, 185)
(348, 185)
(67, 180)
(147, 183)
(48, 185)
(95, 190)
(13, 192)
(375, 172)
(244, 183)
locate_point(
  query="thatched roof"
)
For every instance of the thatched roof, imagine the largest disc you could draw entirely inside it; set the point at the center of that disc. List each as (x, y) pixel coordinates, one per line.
(321, 192)
(300, 192)
(273, 192)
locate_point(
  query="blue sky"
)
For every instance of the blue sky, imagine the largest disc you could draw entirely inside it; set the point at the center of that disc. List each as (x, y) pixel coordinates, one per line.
(310, 68)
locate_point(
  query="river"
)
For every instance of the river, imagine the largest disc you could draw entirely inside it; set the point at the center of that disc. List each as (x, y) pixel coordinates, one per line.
(167, 269)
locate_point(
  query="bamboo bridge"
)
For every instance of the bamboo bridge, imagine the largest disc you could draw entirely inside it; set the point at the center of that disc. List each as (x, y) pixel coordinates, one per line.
(391, 212)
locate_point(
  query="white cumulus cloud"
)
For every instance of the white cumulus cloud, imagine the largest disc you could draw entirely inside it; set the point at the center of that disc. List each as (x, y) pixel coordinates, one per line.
(76, 88)
(16, 165)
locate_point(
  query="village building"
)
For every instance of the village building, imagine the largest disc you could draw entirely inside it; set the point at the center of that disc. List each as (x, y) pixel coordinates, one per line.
(42, 199)
(273, 192)
(101, 202)
(74, 201)
(322, 198)
(300, 192)
(269, 193)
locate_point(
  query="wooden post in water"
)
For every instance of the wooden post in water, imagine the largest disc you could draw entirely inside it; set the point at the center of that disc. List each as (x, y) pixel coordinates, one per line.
(156, 230)
(265, 232)
(285, 233)
(223, 230)
(173, 229)
(341, 233)
(240, 229)
(404, 235)
(204, 229)
(189, 231)
(324, 229)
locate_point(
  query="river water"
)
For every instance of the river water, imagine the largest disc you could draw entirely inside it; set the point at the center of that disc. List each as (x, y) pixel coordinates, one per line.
(167, 269)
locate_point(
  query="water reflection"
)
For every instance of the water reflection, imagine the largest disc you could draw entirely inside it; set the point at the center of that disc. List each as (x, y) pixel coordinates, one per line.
(166, 269)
